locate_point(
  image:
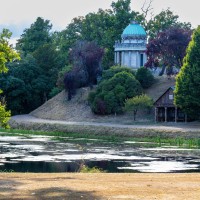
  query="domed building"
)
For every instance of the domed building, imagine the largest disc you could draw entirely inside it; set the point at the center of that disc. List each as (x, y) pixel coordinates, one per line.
(130, 51)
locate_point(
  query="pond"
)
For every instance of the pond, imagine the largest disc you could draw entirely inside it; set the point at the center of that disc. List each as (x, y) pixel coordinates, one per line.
(66, 154)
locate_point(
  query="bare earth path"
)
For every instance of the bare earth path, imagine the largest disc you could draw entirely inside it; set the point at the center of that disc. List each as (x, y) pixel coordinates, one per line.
(179, 126)
(75, 186)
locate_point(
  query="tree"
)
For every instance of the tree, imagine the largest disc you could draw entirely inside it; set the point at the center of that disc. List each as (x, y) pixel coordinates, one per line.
(163, 21)
(110, 94)
(187, 89)
(138, 103)
(49, 64)
(7, 54)
(145, 77)
(22, 85)
(168, 48)
(87, 56)
(109, 73)
(35, 36)
(102, 27)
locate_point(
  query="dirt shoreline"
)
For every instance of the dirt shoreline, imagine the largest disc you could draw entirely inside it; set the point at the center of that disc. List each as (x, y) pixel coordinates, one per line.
(75, 186)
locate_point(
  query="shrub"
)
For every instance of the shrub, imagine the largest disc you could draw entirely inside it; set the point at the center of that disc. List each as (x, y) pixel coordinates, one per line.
(61, 75)
(110, 94)
(107, 74)
(145, 77)
(141, 102)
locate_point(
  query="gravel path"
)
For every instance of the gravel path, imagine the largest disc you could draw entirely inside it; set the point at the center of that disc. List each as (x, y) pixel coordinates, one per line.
(168, 127)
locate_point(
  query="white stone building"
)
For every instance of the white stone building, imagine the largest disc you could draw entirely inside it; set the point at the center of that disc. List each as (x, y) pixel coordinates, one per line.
(130, 51)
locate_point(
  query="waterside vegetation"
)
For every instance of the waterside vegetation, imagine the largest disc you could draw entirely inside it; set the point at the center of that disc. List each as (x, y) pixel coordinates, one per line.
(154, 141)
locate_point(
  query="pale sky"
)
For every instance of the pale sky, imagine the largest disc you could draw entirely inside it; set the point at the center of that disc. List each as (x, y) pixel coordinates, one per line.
(19, 14)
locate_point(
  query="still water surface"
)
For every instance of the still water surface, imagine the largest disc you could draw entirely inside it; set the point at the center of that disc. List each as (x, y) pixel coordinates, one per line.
(45, 154)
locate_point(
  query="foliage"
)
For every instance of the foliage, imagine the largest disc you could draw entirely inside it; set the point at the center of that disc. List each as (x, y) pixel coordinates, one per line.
(87, 56)
(110, 94)
(49, 65)
(145, 77)
(163, 21)
(109, 73)
(86, 61)
(103, 27)
(187, 89)
(30, 81)
(7, 54)
(35, 36)
(4, 116)
(61, 75)
(23, 85)
(54, 92)
(141, 102)
(168, 48)
(86, 169)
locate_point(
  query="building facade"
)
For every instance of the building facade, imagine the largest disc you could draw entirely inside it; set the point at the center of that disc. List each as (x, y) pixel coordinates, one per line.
(131, 50)
(166, 111)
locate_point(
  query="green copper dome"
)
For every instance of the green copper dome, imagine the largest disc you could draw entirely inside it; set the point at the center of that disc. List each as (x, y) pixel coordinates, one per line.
(134, 30)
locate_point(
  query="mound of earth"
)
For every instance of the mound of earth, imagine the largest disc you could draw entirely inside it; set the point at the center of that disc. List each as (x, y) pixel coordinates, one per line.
(59, 108)
(78, 109)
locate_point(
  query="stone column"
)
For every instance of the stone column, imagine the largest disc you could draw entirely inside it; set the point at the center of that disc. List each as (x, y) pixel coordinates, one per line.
(129, 58)
(165, 114)
(115, 57)
(138, 59)
(145, 58)
(175, 114)
(122, 59)
(118, 59)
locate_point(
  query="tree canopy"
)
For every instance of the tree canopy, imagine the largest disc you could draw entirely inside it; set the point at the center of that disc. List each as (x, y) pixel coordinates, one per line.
(7, 54)
(187, 89)
(168, 48)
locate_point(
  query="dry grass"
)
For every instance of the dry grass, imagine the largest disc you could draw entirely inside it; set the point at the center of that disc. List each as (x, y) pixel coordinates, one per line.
(58, 108)
(160, 86)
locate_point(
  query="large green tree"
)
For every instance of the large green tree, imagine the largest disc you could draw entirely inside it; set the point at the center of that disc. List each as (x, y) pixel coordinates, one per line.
(187, 89)
(163, 21)
(36, 36)
(22, 85)
(103, 27)
(7, 54)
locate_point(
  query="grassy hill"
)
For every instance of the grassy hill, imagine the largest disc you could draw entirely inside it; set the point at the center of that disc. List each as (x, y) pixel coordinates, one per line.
(58, 108)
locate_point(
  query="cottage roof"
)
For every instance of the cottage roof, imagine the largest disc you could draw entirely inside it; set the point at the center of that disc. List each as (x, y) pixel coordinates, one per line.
(170, 88)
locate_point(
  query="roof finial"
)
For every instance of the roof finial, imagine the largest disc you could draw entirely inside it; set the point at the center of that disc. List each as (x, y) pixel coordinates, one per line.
(134, 22)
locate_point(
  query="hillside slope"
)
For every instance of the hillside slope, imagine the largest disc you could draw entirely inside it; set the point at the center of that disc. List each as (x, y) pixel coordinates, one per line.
(58, 108)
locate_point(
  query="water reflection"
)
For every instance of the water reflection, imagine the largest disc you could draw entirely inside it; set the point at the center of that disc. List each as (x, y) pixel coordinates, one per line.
(45, 154)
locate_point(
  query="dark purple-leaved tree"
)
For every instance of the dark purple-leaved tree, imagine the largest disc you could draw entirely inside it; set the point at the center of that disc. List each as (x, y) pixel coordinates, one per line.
(86, 60)
(87, 56)
(168, 48)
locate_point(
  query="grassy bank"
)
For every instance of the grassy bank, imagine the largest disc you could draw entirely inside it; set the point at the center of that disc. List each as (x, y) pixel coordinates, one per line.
(158, 140)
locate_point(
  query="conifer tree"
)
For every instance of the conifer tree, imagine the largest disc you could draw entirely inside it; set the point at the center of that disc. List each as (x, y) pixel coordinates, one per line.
(187, 90)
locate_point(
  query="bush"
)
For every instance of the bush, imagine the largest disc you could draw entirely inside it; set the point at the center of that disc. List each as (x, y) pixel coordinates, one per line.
(141, 102)
(145, 77)
(107, 74)
(61, 75)
(54, 92)
(110, 94)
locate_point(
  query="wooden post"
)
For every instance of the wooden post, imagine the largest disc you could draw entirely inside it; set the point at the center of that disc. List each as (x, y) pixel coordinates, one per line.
(175, 114)
(156, 114)
(165, 114)
(185, 118)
